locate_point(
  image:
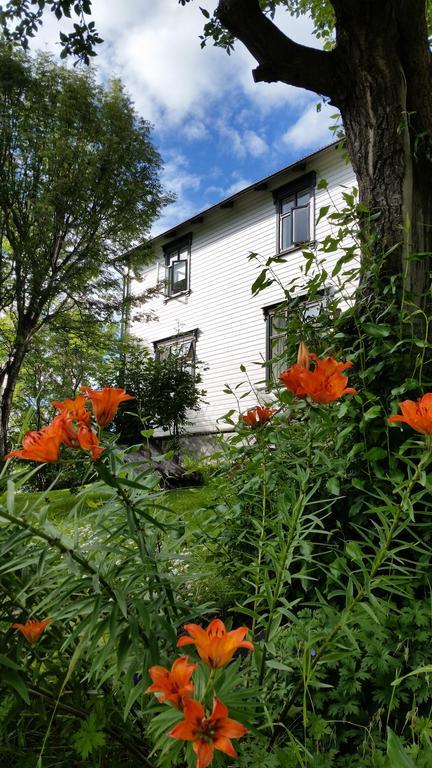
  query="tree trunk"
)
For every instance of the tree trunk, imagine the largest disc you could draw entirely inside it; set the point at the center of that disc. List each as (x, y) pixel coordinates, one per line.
(387, 115)
(379, 76)
(8, 381)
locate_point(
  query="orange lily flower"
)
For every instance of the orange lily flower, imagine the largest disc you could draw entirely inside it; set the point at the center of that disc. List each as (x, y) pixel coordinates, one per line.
(291, 378)
(215, 646)
(73, 422)
(324, 384)
(257, 416)
(74, 410)
(175, 685)
(32, 629)
(105, 402)
(89, 441)
(43, 445)
(208, 733)
(418, 414)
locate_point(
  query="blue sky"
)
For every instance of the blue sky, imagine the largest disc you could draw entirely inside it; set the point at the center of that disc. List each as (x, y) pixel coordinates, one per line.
(217, 130)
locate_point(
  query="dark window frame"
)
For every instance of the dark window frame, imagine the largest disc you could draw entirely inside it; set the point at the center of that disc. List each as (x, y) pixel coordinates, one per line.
(176, 341)
(302, 185)
(269, 313)
(172, 255)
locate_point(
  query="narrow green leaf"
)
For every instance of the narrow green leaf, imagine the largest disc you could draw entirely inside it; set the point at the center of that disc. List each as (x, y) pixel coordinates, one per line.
(397, 755)
(376, 331)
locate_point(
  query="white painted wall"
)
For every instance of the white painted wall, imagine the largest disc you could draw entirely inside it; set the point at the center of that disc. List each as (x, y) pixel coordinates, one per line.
(220, 304)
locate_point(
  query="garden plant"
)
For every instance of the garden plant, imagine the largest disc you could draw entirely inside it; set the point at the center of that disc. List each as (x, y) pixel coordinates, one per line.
(311, 645)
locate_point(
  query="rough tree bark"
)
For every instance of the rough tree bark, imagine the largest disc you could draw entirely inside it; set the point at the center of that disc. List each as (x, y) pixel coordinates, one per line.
(379, 76)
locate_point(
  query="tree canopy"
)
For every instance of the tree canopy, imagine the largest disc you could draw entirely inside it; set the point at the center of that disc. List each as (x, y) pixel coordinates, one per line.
(78, 187)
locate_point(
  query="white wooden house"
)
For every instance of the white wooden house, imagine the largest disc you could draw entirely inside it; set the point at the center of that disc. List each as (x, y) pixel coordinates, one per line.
(206, 308)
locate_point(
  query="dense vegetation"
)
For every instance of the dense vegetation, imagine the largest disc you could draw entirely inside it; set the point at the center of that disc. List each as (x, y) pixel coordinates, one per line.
(314, 545)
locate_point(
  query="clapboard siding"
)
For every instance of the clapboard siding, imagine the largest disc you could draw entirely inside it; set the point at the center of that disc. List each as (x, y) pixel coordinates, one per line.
(230, 320)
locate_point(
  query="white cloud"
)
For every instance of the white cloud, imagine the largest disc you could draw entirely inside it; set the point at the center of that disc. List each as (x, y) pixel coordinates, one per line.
(175, 175)
(240, 143)
(177, 178)
(255, 145)
(155, 48)
(195, 130)
(311, 129)
(237, 185)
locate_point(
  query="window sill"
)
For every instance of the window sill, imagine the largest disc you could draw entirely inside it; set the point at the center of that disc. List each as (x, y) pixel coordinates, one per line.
(177, 295)
(299, 247)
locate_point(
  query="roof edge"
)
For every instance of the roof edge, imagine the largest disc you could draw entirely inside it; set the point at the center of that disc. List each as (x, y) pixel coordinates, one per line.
(225, 202)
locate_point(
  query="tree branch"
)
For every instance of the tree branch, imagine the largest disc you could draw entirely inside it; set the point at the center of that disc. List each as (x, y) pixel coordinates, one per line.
(279, 58)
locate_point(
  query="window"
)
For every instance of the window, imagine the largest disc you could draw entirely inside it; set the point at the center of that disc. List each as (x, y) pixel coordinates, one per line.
(295, 212)
(177, 266)
(182, 347)
(279, 334)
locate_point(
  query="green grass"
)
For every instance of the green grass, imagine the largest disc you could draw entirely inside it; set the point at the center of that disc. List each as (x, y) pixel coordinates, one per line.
(185, 500)
(59, 503)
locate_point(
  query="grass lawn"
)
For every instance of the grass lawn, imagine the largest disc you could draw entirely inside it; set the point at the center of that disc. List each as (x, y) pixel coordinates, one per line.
(184, 501)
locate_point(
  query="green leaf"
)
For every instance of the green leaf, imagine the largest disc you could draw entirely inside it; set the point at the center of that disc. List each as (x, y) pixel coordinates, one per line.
(333, 486)
(375, 454)
(88, 738)
(372, 413)
(278, 665)
(427, 670)
(376, 331)
(12, 678)
(6, 662)
(397, 755)
(136, 691)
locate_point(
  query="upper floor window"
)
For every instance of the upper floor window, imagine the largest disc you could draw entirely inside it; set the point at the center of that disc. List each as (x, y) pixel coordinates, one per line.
(177, 266)
(295, 212)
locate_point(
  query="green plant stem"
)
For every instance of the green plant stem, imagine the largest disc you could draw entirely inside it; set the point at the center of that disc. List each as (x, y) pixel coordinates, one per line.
(210, 682)
(376, 565)
(83, 715)
(298, 509)
(260, 545)
(296, 515)
(134, 509)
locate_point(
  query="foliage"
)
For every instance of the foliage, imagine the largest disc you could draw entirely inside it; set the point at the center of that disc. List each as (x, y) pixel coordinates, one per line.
(72, 351)
(109, 585)
(79, 184)
(330, 523)
(318, 539)
(19, 22)
(165, 391)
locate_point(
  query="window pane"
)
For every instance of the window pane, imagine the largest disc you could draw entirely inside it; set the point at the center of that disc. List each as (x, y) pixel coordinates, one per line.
(312, 309)
(278, 323)
(285, 236)
(300, 217)
(179, 276)
(163, 351)
(303, 198)
(287, 203)
(278, 347)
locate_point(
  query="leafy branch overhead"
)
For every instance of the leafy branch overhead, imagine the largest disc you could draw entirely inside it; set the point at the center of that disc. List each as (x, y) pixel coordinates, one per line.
(20, 21)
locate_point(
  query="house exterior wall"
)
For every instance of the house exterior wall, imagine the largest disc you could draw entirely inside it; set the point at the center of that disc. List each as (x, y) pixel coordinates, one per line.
(230, 321)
